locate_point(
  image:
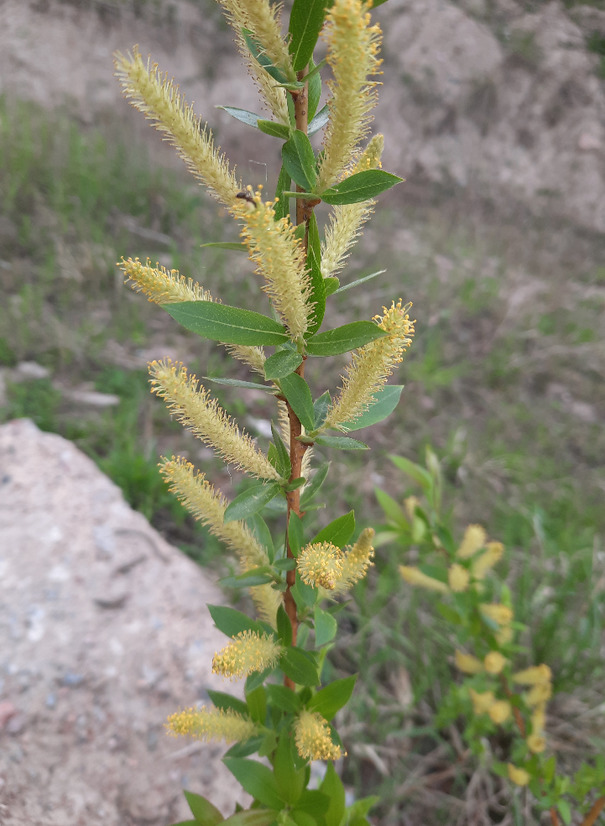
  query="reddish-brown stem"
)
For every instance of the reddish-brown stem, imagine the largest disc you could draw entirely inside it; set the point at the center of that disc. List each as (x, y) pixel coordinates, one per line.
(554, 818)
(304, 210)
(595, 810)
(516, 713)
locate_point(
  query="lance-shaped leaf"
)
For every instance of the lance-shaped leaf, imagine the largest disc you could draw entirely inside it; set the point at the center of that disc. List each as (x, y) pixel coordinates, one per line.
(203, 810)
(340, 443)
(338, 532)
(281, 364)
(257, 576)
(282, 207)
(296, 390)
(325, 627)
(359, 187)
(231, 622)
(252, 500)
(318, 285)
(319, 121)
(257, 52)
(358, 281)
(299, 160)
(256, 779)
(342, 339)
(333, 697)
(385, 401)
(306, 20)
(243, 115)
(276, 130)
(300, 666)
(229, 325)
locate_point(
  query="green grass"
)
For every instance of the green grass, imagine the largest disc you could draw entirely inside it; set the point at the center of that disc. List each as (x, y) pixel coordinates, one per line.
(502, 380)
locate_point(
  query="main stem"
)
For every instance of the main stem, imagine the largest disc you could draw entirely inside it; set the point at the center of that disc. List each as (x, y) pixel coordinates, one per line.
(297, 450)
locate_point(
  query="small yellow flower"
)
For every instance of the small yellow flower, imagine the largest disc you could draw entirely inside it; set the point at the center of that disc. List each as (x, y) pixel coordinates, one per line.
(211, 725)
(536, 675)
(472, 541)
(499, 711)
(482, 701)
(494, 662)
(458, 577)
(357, 561)
(538, 694)
(501, 614)
(538, 719)
(505, 635)
(415, 577)
(483, 563)
(467, 663)
(247, 652)
(518, 776)
(312, 737)
(320, 565)
(536, 743)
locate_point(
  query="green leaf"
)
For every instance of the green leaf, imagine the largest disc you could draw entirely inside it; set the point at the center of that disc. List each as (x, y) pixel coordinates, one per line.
(226, 245)
(284, 564)
(338, 532)
(225, 701)
(360, 187)
(243, 115)
(414, 471)
(332, 787)
(313, 98)
(283, 465)
(258, 54)
(229, 325)
(327, 701)
(261, 530)
(332, 284)
(284, 698)
(317, 480)
(295, 483)
(231, 622)
(359, 281)
(295, 533)
(385, 401)
(313, 802)
(564, 811)
(282, 207)
(256, 679)
(281, 364)
(290, 781)
(251, 385)
(340, 443)
(257, 704)
(284, 627)
(256, 779)
(321, 406)
(299, 159)
(187, 823)
(252, 817)
(276, 130)
(296, 390)
(320, 119)
(306, 20)
(342, 339)
(300, 666)
(318, 287)
(392, 510)
(203, 810)
(252, 500)
(360, 808)
(304, 595)
(325, 627)
(256, 576)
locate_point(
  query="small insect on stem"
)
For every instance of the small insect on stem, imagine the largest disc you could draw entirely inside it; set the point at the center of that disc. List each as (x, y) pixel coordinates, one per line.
(246, 196)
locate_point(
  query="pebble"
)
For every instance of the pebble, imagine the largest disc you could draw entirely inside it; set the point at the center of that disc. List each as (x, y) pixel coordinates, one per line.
(72, 680)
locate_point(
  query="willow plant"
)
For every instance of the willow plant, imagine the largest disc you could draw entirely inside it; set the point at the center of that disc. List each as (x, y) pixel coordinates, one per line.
(296, 578)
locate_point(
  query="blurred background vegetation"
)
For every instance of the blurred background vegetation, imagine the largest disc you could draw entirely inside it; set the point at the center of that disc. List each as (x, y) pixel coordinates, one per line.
(504, 383)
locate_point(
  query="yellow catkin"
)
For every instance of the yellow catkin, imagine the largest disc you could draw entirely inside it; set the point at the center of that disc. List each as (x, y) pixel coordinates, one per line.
(280, 260)
(192, 405)
(208, 506)
(371, 366)
(414, 576)
(536, 675)
(538, 694)
(494, 662)
(346, 221)
(353, 45)
(357, 561)
(320, 565)
(458, 578)
(483, 563)
(160, 285)
(536, 743)
(500, 711)
(211, 725)
(262, 19)
(157, 97)
(312, 738)
(473, 540)
(482, 701)
(518, 776)
(467, 663)
(500, 614)
(247, 652)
